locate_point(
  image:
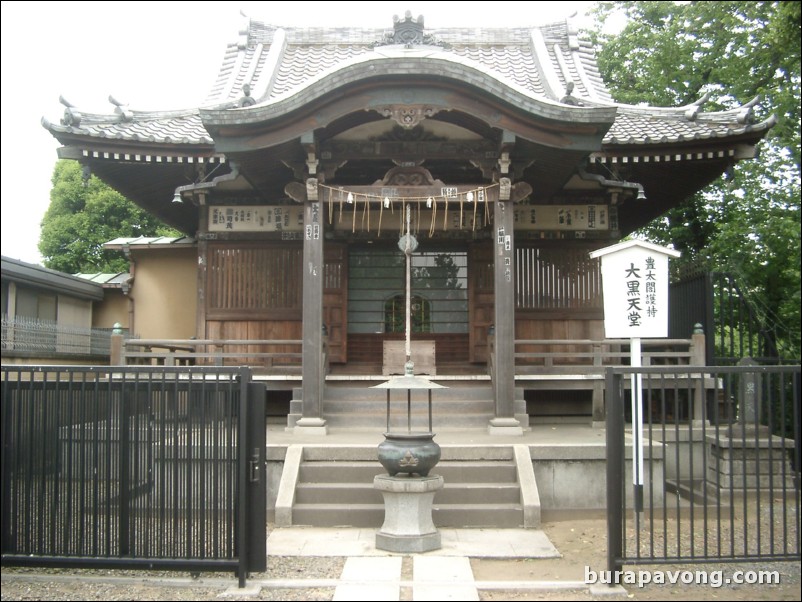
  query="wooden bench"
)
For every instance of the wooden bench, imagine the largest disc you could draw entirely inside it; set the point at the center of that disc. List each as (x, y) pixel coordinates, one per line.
(394, 357)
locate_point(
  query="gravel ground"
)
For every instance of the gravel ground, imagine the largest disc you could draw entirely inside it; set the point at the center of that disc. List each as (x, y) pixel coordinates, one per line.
(582, 544)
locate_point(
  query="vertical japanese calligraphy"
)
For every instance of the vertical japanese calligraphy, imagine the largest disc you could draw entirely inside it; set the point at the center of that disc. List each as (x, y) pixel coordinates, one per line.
(635, 286)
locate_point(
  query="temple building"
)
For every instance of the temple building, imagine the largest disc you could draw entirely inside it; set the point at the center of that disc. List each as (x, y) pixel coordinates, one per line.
(294, 180)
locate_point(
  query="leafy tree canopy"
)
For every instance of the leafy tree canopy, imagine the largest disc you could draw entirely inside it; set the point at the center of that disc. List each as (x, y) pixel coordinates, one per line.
(747, 223)
(82, 216)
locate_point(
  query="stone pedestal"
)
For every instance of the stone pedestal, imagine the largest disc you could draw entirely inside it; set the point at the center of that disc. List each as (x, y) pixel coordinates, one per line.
(505, 427)
(408, 525)
(750, 458)
(311, 426)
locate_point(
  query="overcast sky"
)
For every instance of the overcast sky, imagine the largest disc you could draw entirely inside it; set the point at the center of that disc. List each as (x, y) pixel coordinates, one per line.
(153, 56)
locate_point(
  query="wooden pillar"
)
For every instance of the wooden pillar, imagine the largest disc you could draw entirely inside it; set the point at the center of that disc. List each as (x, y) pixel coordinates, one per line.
(312, 383)
(504, 422)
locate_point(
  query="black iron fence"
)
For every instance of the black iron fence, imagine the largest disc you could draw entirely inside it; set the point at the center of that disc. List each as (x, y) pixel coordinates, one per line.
(33, 337)
(732, 325)
(715, 476)
(133, 468)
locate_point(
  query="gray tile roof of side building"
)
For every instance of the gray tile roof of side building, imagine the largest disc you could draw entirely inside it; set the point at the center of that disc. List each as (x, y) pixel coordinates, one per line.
(107, 280)
(149, 241)
(541, 62)
(37, 276)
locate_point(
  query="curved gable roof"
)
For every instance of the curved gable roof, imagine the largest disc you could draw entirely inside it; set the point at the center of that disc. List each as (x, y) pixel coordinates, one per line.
(543, 60)
(534, 67)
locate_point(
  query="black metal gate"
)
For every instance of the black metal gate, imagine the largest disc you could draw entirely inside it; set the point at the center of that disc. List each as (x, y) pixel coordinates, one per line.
(133, 467)
(733, 329)
(720, 453)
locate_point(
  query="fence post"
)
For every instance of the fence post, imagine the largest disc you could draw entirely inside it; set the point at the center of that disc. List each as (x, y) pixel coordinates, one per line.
(117, 353)
(615, 471)
(698, 358)
(242, 465)
(698, 353)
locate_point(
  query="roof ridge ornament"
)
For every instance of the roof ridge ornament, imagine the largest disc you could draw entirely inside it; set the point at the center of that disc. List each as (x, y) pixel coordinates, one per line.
(569, 99)
(246, 100)
(71, 117)
(746, 114)
(409, 33)
(121, 109)
(692, 110)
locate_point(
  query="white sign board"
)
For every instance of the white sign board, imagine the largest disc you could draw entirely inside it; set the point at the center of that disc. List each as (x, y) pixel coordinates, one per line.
(635, 287)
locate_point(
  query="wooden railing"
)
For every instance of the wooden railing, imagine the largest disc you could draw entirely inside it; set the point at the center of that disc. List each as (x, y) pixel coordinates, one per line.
(265, 353)
(541, 355)
(591, 356)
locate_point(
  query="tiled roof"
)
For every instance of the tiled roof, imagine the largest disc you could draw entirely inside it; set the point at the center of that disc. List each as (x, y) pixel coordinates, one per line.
(301, 63)
(509, 53)
(633, 127)
(15, 270)
(167, 128)
(541, 63)
(512, 62)
(183, 129)
(107, 280)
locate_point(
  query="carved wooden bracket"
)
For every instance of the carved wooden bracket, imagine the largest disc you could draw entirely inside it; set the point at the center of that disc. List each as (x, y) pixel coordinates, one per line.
(408, 116)
(504, 190)
(513, 192)
(311, 189)
(296, 191)
(520, 190)
(407, 176)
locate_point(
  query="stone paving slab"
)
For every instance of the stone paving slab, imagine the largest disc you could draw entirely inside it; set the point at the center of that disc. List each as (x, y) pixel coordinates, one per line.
(476, 543)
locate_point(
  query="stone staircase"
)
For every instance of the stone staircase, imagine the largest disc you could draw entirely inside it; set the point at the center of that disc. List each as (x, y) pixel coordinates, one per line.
(323, 486)
(464, 404)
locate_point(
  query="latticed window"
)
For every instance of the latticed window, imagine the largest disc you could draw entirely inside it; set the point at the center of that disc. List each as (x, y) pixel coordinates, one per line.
(395, 314)
(253, 280)
(556, 278)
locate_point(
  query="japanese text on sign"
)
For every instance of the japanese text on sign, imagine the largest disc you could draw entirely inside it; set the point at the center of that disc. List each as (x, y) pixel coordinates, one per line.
(256, 218)
(635, 286)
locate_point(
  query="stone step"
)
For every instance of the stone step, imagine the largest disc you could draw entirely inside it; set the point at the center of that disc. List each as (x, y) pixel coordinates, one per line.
(338, 393)
(365, 493)
(498, 494)
(476, 471)
(495, 516)
(335, 487)
(506, 516)
(399, 423)
(337, 515)
(399, 407)
(461, 405)
(337, 493)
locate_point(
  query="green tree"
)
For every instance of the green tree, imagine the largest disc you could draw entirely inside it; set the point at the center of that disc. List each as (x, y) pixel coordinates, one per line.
(747, 223)
(82, 216)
